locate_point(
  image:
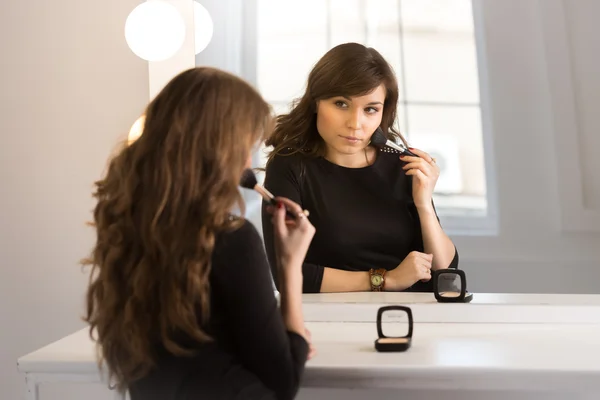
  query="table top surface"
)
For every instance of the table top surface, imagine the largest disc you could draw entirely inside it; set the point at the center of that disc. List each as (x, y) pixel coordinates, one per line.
(442, 355)
(474, 356)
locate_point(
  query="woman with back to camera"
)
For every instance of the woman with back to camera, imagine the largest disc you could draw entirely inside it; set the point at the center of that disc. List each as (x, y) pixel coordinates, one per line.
(180, 294)
(377, 228)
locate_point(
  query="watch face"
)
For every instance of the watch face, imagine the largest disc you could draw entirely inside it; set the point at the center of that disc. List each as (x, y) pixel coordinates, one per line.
(376, 280)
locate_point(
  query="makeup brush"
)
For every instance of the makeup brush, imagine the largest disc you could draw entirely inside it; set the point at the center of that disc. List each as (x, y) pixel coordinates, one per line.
(249, 181)
(380, 141)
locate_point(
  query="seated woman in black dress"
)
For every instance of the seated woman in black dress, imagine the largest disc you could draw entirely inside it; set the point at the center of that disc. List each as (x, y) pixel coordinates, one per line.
(377, 228)
(181, 298)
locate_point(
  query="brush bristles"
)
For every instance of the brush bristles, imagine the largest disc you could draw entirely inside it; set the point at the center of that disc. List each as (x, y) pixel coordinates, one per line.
(378, 139)
(248, 179)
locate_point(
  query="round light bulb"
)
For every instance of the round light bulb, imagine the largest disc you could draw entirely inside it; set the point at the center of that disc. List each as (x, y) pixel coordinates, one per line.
(136, 129)
(155, 30)
(203, 27)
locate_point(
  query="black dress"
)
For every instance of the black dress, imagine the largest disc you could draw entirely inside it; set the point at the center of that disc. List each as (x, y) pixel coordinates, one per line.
(253, 355)
(364, 217)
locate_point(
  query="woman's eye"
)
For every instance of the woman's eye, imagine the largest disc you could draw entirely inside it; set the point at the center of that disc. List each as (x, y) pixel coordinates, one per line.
(372, 110)
(340, 104)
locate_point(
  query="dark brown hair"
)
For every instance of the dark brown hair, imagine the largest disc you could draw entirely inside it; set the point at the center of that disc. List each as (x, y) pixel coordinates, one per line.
(349, 69)
(160, 206)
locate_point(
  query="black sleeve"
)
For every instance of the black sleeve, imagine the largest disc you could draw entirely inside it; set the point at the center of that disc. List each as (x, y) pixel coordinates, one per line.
(262, 344)
(282, 178)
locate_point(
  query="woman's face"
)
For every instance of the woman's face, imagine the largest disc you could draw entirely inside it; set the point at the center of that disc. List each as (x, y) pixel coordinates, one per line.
(347, 123)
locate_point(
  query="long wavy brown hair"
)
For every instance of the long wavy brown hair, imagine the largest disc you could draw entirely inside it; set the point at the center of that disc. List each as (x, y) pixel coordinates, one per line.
(349, 69)
(162, 203)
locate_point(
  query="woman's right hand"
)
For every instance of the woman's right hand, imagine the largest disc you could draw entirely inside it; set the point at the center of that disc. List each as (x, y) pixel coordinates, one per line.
(292, 236)
(415, 267)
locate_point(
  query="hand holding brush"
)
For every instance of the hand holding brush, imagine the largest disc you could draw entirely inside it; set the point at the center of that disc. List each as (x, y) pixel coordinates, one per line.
(249, 181)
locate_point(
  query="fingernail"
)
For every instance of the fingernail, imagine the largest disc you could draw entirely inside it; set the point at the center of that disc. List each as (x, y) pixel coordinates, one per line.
(279, 205)
(411, 148)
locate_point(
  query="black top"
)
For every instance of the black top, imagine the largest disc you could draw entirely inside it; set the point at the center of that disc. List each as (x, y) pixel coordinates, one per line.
(364, 217)
(253, 356)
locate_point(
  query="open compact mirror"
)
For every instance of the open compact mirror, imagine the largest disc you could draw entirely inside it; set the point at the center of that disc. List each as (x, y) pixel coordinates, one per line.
(394, 328)
(450, 286)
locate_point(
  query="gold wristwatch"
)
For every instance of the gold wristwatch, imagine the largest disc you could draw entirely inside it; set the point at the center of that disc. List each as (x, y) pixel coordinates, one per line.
(377, 278)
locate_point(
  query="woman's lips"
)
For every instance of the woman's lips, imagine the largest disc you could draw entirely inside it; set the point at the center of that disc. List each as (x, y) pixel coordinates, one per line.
(351, 139)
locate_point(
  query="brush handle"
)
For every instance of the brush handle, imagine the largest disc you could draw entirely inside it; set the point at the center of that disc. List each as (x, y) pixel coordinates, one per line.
(268, 196)
(407, 152)
(403, 150)
(288, 213)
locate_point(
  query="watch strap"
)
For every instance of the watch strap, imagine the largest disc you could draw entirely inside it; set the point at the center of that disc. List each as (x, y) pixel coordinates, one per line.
(381, 272)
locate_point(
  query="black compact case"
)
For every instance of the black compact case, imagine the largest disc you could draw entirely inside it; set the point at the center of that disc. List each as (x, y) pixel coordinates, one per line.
(389, 343)
(448, 293)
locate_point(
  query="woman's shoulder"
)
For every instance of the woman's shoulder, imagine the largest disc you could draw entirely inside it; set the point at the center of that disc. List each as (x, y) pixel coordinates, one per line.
(239, 251)
(241, 237)
(287, 159)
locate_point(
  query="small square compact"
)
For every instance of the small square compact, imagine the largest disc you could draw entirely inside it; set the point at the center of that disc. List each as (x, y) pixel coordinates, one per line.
(450, 286)
(393, 343)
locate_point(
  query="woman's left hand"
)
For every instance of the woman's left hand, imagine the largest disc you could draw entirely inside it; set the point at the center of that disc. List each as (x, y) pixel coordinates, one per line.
(425, 173)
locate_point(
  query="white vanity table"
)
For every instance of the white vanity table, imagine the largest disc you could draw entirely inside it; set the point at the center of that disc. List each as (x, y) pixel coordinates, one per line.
(498, 346)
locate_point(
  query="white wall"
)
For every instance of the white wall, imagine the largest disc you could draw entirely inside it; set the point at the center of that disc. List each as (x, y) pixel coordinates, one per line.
(549, 239)
(70, 87)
